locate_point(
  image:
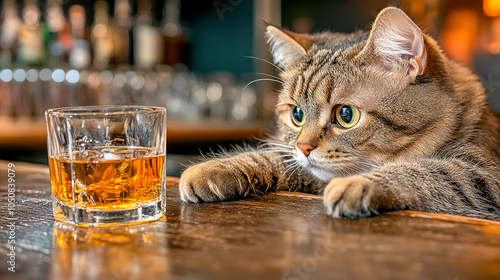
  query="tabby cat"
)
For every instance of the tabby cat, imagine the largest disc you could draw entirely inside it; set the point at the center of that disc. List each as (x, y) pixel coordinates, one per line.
(375, 121)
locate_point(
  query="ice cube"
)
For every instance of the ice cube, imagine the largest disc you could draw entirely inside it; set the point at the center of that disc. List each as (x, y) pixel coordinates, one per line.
(91, 155)
(139, 153)
(113, 156)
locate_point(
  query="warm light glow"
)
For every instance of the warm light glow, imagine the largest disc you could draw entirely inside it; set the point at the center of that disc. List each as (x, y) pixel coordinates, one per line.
(494, 44)
(459, 34)
(418, 7)
(494, 48)
(491, 7)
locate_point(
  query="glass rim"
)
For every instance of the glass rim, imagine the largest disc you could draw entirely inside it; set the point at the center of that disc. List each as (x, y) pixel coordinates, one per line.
(104, 110)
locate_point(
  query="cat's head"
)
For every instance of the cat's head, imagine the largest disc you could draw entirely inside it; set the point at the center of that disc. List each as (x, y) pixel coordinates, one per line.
(352, 101)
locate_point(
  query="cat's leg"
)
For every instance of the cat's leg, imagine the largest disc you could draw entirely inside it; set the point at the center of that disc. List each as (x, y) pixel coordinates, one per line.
(447, 186)
(249, 173)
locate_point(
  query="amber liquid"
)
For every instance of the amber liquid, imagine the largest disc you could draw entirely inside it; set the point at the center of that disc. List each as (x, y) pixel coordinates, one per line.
(107, 177)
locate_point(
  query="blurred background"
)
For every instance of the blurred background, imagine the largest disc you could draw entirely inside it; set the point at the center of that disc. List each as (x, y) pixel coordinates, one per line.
(202, 60)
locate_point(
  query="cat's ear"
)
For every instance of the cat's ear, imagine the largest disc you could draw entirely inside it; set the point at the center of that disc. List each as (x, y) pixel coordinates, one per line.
(395, 40)
(287, 47)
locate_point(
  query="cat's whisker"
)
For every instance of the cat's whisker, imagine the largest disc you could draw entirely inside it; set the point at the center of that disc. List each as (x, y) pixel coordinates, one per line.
(259, 80)
(269, 75)
(279, 151)
(284, 156)
(346, 172)
(278, 148)
(367, 164)
(271, 143)
(275, 149)
(359, 169)
(343, 172)
(266, 61)
(365, 161)
(272, 146)
(291, 148)
(284, 153)
(297, 168)
(291, 166)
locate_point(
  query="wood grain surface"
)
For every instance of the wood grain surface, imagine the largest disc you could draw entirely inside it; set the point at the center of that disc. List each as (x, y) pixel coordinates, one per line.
(277, 236)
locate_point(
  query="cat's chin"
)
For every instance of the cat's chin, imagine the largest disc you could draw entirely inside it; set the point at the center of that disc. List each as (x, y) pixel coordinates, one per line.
(321, 174)
(310, 164)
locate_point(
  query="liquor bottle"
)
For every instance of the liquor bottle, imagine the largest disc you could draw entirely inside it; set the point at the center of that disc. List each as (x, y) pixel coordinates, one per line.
(9, 32)
(79, 56)
(32, 49)
(148, 50)
(59, 39)
(123, 38)
(175, 36)
(102, 36)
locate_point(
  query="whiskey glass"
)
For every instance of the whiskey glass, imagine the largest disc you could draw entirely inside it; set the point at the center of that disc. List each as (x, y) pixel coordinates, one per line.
(107, 164)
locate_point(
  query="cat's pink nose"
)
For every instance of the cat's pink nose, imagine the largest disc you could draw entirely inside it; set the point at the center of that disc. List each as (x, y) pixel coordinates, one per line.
(306, 148)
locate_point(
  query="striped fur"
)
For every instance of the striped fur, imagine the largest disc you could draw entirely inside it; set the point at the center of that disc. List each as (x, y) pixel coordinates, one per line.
(426, 139)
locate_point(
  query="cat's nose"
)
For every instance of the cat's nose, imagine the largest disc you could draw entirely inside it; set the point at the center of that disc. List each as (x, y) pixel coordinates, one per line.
(306, 148)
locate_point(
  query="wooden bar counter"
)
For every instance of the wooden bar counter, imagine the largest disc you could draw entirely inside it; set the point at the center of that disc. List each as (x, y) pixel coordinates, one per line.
(276, 236)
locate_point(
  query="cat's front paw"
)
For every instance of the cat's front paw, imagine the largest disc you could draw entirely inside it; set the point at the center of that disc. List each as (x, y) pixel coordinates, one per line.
(210, 181)
(354, 197)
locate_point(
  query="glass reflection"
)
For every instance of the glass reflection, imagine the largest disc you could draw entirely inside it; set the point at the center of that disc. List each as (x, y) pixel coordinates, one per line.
(129, 252)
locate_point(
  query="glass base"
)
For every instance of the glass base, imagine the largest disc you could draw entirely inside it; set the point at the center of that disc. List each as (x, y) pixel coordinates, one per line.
(92, 217)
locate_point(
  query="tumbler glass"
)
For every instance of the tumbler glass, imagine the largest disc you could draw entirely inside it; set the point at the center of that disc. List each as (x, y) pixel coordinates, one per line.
(107, 164)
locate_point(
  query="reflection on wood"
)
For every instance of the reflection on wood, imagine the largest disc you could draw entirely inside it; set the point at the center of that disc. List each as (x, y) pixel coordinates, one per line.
(276, 236)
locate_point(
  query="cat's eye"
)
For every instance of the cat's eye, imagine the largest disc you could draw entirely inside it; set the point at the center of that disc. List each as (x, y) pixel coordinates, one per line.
(346, 116)
(298, 117)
